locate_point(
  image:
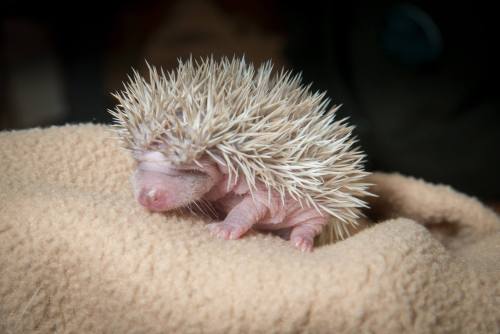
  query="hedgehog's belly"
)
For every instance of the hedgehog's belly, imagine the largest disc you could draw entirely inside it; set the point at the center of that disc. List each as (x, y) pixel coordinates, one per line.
(280, 216)
(288, 217)
(289, 220)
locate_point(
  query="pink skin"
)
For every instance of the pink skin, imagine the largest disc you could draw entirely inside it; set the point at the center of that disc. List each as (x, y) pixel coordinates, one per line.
(160, 186)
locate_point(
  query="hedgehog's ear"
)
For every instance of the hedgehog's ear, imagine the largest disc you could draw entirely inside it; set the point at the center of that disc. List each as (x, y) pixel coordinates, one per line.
(160, 146)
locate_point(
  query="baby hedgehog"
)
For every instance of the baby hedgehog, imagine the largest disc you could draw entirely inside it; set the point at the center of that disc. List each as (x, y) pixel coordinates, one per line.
(260, 148)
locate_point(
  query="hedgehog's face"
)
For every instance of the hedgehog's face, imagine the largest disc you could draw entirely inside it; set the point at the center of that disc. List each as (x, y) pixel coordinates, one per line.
(161, 186)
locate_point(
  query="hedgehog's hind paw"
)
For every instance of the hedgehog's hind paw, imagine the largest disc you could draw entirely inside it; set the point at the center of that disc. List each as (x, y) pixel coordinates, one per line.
(303, 244)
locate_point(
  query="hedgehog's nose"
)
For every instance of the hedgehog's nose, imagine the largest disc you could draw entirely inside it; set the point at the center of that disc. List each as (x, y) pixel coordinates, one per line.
(153, 199)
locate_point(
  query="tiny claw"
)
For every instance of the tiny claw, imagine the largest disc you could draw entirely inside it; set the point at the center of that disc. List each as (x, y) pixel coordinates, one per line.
(225, 231)
(236, 233)
(223, 234)
(303, 244)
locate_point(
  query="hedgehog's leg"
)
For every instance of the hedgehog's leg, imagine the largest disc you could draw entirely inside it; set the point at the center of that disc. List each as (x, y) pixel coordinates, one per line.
(240, 219)
(302, 235)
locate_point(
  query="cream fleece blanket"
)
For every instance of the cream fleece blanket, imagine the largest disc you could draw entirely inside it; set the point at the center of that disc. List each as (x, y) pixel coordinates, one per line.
(78, 255)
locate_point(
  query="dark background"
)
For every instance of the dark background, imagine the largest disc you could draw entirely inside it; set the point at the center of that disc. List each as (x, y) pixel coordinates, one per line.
(419, 79)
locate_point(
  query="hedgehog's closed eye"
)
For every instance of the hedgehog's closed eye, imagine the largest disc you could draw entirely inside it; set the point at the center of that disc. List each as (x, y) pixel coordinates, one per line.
(195, 172)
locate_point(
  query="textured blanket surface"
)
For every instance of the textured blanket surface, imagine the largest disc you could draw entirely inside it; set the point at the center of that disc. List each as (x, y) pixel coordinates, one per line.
(79, 255)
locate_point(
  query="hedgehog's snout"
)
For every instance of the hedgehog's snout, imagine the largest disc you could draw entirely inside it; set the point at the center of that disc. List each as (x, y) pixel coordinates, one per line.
(153, 199)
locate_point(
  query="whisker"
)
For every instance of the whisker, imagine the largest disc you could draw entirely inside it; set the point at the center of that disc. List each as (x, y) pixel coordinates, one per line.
(209, 207)
(200, 209)
(189, 207)
(206, 209)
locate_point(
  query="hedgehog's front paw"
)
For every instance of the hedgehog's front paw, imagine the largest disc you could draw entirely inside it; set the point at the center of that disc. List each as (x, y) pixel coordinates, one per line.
(226, 231)
(302, 243)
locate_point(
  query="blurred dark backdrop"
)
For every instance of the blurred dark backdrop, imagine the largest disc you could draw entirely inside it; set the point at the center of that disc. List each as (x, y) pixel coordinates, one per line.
(418, 78)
